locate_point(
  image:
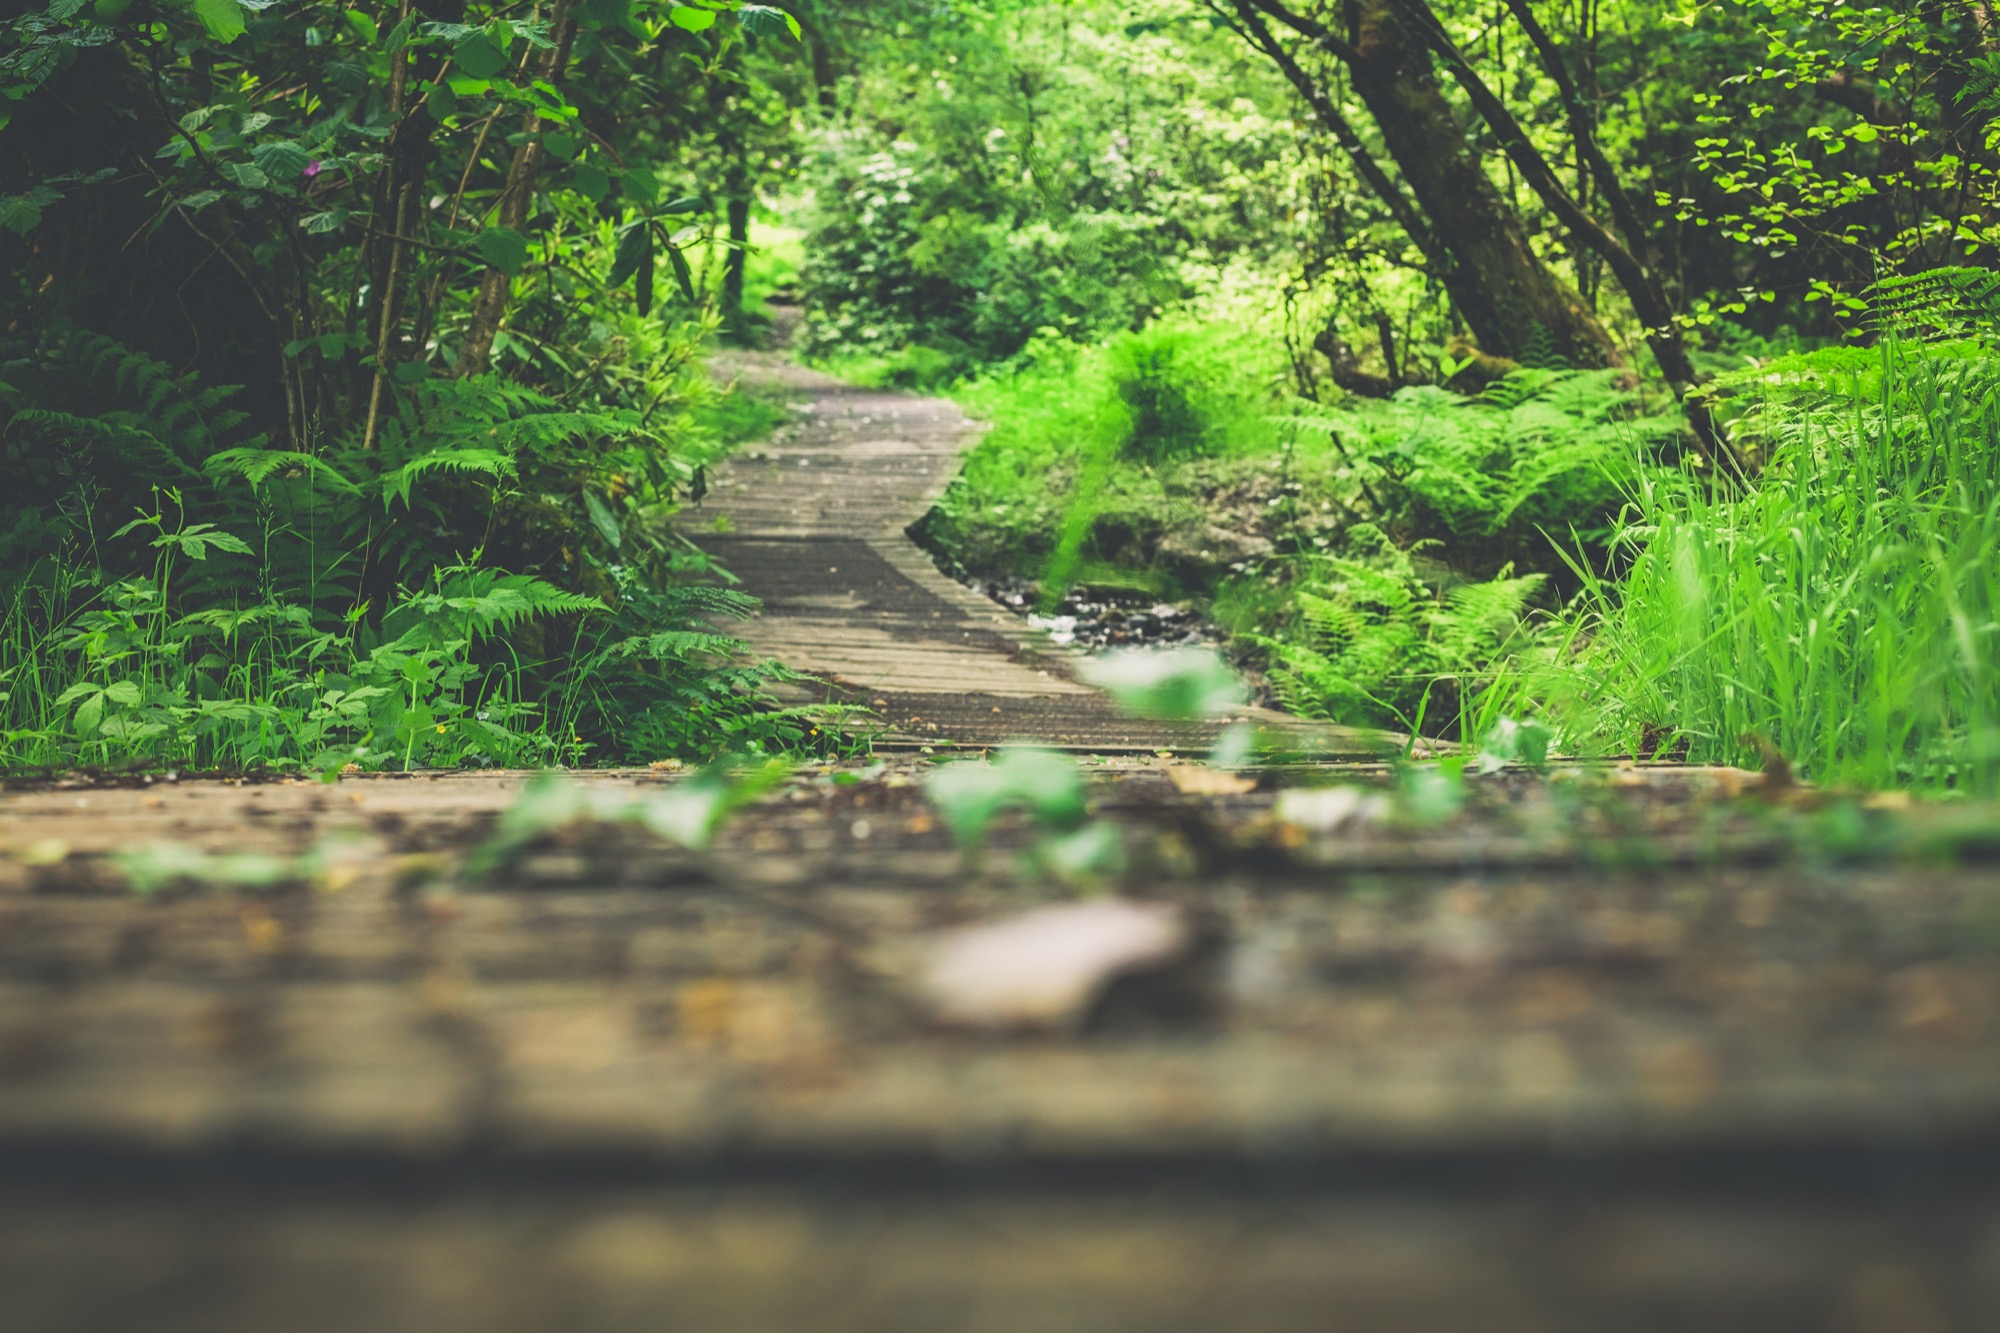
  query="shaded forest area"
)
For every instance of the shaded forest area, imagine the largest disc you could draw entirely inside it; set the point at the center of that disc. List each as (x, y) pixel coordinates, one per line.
(1622, 369)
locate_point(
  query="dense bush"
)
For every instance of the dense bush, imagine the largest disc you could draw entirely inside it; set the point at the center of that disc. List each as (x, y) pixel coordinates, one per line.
(351, 374)
(1068, 172)
(897, 255)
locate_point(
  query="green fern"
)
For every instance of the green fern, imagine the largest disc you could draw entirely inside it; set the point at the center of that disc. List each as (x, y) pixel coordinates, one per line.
(1939, 304)
(1372, 644)
(1539, 450)
(395, 484)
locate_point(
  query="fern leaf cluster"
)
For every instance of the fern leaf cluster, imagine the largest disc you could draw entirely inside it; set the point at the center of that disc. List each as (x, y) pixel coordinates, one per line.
(275, 606)
(1373, 644)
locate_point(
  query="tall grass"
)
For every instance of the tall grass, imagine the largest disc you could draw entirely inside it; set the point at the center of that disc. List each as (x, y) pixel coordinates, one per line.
(1843, 612)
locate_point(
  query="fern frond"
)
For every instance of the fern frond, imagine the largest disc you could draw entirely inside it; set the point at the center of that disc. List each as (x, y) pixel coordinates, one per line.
(256, 466)
(1937, 304)
(678, 645)
(396, 484)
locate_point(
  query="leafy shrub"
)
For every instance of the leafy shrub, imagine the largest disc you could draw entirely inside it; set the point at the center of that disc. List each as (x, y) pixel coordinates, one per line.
(1552, 452)
(1171, 410)
(277, 607)
(904, 248)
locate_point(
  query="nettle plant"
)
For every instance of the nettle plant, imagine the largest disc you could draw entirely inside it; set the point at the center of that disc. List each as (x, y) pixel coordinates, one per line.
(134, 677)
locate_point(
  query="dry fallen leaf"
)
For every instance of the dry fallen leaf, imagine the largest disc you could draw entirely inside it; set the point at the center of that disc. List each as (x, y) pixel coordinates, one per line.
(1200, 780)
(1325, 809)
(1045, 968)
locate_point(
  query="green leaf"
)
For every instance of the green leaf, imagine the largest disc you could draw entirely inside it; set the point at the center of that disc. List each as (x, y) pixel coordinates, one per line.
(280, 160)
(1177, 684)
(90, 716)
(442, 102)
(222, 18)
(693, 20)
(399, 36)
(687, 203)
(1083, 855)
(562, 145)
(766, 21)
(364, 26)
(502, 248)
(477, 56)
(635, 248)
(603, 520)
(692, 810)
(195, 539)
(592, 181)
(19, 214)
(641, 186)
(1512, 742)
(154, 866)
(969, 794)
(682, 274)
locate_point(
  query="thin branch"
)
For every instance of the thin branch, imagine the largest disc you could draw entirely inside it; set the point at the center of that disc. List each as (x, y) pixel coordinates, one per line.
(1310, 29)
(1248, 25)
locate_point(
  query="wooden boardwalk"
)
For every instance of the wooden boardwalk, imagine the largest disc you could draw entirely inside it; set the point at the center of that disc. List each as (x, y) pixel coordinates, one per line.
(1476, 1076)
(1635, 1052)
(814, 524)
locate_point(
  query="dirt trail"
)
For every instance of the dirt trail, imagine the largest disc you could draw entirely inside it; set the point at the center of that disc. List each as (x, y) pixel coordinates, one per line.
(813, 522)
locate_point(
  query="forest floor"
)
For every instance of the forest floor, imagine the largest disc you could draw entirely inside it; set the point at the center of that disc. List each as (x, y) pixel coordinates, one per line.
(1622, 1048)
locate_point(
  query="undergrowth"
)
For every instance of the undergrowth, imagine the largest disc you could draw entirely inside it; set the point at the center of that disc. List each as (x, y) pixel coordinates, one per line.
(1845, 613)
(490, 580)
(1437, 562)
(1370, 553)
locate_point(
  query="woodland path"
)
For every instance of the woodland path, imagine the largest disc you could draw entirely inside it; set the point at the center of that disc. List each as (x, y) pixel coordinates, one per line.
(814, 520)
(1632, 1050)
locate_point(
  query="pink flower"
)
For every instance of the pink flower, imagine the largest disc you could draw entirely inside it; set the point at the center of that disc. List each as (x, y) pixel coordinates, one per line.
(312, 169)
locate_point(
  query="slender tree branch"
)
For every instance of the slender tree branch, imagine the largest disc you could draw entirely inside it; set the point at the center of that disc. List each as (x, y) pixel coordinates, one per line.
(1246, 23)
(1648, 297)
(489, 305)
(1311, 29)
(1583, 129)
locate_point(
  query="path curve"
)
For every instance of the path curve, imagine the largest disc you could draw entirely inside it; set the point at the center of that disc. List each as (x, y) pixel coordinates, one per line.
(814, 522)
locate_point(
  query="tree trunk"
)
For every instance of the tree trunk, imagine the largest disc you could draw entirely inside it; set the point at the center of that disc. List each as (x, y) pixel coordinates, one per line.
(1628, 260)
(737, 207)
(1514, 304)
(489, 305)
